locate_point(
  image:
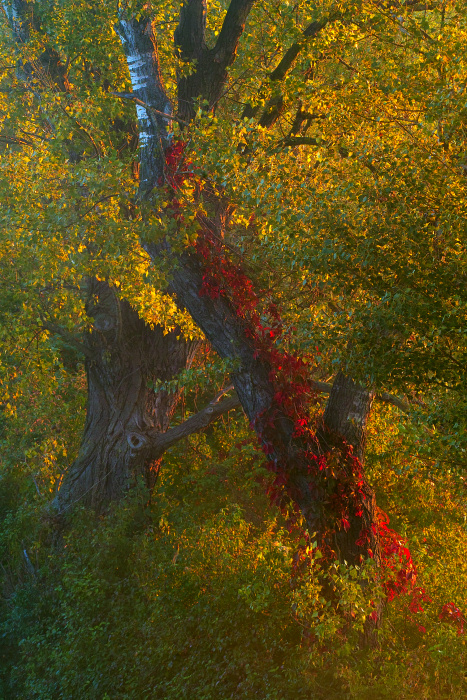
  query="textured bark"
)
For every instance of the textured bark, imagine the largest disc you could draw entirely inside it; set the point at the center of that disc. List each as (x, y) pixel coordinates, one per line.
(345, 419)
(208, 79)
(160, 442)
(231, 338)
(189, 36)
(140, 45)
(124, 356)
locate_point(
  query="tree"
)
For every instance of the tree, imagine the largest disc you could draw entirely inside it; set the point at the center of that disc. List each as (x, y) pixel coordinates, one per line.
(218, 305)
(125, 357)
(234, 183)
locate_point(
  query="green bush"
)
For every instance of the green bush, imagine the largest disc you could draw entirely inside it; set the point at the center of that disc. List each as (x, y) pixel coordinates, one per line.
(190, 594)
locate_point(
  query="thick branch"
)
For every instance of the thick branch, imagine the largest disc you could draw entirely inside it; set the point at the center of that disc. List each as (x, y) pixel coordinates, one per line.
(189, 35)
(347, 412)
(232, 29)
(162, 441)
(394, 401)
(275, 105)
(313, 29)
(284, 65)
(207, 80)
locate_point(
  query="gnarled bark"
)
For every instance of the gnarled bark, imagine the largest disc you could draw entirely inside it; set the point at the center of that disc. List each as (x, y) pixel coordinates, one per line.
(124, 358)
(345, 419)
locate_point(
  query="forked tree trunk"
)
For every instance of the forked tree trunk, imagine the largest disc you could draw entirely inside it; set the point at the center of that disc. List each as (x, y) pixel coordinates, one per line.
(342, 433)
(125, 357)
(229, 334)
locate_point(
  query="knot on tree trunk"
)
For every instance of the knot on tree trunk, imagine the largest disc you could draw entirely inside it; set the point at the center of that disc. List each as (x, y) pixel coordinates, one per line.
(137, 442)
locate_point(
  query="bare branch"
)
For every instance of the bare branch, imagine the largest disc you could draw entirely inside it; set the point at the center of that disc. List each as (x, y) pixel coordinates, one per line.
(17, 141)
(214, 410)
(160, 442)
(133, 98)
(394, 400)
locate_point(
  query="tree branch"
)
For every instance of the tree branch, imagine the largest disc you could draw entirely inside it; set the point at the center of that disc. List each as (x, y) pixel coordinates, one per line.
(68, 337)
(208, 78)
(413, 5)
(133, 98)
(275, 105)
(17, 141)
(284, 65)
(189, 36)
(158, 443)
(394, 400)
(232, 28)
(292, 141)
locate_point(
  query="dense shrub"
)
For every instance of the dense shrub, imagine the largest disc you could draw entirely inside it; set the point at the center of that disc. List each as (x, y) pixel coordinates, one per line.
(190, 594)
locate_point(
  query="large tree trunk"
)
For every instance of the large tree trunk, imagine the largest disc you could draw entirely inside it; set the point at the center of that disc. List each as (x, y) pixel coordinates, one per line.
(343, 424)
(125, 358)
(344, 421)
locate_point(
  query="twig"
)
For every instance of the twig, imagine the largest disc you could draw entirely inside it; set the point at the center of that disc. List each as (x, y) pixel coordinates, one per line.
(136, 100)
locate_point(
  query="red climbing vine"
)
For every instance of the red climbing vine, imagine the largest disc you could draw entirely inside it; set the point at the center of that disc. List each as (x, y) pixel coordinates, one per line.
(335, 476)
